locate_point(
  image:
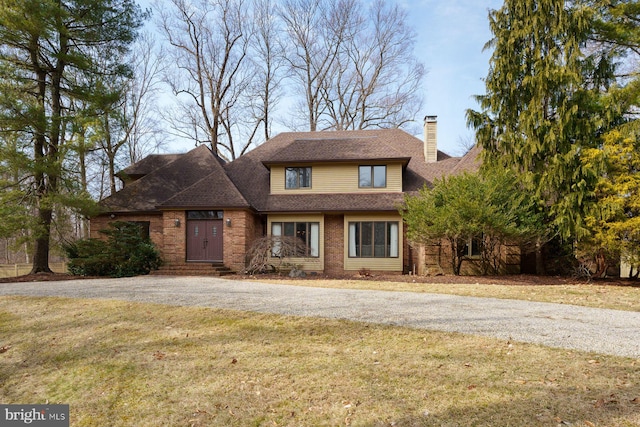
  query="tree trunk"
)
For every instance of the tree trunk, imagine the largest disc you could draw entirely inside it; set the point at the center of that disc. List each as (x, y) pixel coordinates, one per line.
(540, 268)
(41, 252)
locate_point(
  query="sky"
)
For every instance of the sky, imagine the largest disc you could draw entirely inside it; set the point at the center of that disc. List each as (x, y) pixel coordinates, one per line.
(451, 37)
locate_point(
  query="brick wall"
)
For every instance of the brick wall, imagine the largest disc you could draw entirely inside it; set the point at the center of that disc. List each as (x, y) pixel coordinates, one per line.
(170, 238)
(245, 228)
(155, 225)
(437, 260)
(334, 244)
(174, 250)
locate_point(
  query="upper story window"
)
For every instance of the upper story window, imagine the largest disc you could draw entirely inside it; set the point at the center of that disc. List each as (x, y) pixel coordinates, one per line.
(372, 176)
(297, 178)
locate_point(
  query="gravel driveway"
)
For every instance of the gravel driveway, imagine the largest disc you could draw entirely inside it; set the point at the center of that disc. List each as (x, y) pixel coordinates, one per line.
(565, 326)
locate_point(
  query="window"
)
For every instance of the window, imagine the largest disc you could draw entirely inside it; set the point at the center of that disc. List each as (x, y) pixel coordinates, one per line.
(372, 176)
(473, 247)
(373, 239)
(304, 239)
(205, 214)
(143, 226)
(297, 178)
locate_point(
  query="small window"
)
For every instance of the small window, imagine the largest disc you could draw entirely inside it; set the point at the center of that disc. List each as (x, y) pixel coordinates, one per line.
(297, 178)
(144, 227)
(372, 176)
(473, 247)
(205, 214)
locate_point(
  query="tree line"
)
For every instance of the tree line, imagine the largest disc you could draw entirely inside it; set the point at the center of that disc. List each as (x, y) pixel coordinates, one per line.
(560, 114)
(81, 83)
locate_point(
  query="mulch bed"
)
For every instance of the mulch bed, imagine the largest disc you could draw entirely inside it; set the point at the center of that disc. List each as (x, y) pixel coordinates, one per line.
(516, 280)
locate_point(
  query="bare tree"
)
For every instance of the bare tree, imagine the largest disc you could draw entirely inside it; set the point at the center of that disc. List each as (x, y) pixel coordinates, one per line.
(355, 64)
(141, 114)
(267, 59)
(122, 120)
(208, 45)
(313, 43)
(375, 82)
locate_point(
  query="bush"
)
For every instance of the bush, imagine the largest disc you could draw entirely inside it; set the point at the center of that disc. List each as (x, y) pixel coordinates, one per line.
(126, 252)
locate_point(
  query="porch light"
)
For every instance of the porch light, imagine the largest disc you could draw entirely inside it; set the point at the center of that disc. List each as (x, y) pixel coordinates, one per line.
(228, 222)
(177, 222)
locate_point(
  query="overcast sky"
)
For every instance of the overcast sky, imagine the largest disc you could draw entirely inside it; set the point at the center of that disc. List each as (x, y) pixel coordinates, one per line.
(451, 37)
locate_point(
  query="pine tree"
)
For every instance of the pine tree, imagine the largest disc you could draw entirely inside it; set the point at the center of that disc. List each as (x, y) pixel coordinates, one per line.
(48, 51)
(541, 106)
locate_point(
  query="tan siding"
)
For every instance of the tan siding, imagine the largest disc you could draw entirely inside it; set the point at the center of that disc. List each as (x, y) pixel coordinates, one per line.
(307, 264)
(336, 178)
(374, 264)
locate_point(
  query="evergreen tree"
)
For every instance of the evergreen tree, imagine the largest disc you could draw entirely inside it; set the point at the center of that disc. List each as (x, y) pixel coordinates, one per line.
(541, 108)
(49, 49)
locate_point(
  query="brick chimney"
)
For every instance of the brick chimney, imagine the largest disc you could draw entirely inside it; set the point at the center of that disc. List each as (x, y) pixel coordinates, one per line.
(431, 139)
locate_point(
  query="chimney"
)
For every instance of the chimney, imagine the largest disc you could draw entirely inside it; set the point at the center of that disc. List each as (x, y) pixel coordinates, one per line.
(431, 139)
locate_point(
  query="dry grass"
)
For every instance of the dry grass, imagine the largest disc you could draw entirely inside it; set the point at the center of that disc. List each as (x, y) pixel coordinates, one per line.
(127, 364)
(618, 297)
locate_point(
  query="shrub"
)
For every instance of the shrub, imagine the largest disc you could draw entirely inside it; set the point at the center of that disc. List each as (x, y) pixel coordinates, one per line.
(126, 252)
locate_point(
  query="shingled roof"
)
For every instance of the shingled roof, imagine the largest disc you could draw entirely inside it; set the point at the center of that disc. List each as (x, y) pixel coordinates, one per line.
(250, 172)
(146, 166)
(150, 191)
(330, 149)
(200, 180)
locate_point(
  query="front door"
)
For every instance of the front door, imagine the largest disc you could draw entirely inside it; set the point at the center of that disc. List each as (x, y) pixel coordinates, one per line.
(204, 240)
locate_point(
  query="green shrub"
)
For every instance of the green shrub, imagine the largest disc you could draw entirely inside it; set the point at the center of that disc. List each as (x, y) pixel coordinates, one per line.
(127, 251)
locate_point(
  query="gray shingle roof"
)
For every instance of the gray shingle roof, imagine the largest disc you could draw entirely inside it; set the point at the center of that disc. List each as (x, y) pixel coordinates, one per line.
(200, 180)
(250, 172)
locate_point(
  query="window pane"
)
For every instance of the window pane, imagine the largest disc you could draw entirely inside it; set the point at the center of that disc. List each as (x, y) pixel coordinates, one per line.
(301, 238)
(289, 229)
(379, 176)
(205, 214)
(291, 178)
(314, 240)
(305, 177)
(476, 247)
(364, 176)
(354, 238)
(393, 239)
(366, 239)
(379, 234)
(276, 231)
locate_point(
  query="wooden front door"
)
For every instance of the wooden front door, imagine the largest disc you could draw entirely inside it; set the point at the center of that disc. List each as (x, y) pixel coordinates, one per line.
(204, 240)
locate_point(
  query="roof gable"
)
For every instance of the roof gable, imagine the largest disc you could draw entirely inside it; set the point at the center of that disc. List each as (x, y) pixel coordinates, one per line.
(157, 186)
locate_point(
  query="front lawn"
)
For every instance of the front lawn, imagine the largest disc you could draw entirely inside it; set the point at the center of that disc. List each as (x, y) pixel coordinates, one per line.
(128, 364)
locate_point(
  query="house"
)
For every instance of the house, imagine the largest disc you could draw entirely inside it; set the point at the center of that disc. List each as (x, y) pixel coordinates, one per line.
(337, 191)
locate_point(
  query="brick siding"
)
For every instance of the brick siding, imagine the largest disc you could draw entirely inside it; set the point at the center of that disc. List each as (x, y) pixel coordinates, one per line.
(334, 244)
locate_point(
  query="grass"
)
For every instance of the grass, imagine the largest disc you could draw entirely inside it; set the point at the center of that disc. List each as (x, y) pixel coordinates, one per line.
(618, 297)
(128, 364)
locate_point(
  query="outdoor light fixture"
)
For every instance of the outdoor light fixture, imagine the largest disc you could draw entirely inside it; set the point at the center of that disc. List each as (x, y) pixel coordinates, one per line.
(177, 222)
(228, 222)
